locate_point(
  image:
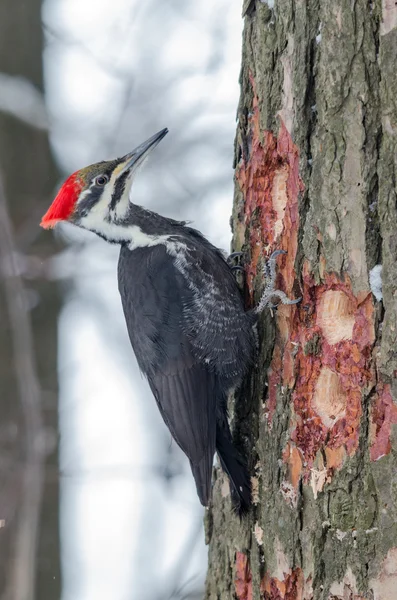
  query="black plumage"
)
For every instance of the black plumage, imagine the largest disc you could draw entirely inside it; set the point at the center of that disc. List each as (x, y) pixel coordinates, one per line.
(192, 339)
(185, 316)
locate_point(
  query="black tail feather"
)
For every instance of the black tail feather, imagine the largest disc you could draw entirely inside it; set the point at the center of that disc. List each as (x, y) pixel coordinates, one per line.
(236, 468)
(202, 473)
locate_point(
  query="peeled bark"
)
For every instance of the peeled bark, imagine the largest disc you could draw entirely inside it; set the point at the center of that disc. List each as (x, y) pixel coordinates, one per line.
(316, 165)
(29, 305)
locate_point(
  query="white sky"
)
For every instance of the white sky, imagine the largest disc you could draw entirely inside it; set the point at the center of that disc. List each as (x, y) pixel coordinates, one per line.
(113, 503)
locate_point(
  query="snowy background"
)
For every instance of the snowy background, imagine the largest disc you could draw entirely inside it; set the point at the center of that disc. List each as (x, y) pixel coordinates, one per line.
(116, 72)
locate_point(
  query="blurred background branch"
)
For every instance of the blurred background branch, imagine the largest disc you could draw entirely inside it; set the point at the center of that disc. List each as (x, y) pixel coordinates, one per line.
(29, 307)
(29, 472)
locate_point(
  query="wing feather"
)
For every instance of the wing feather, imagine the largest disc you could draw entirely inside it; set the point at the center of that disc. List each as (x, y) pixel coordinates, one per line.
(187, 402)
(184, 387)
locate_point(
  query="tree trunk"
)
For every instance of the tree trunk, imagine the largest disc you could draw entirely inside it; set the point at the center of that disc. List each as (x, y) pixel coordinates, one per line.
(29, 305)
(316, 168)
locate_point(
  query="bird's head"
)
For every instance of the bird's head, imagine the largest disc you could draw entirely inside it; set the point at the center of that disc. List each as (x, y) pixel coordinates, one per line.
(97, 197)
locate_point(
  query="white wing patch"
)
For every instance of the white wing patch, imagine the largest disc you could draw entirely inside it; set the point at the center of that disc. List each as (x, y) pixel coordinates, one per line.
(212, 319)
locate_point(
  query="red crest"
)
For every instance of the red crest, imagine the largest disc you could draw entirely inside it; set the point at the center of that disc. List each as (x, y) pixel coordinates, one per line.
(63, 205)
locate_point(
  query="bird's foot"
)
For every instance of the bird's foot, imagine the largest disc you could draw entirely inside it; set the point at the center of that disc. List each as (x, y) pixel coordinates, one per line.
(232, 257)
(233, 260)
(237, 268)
(270, 292)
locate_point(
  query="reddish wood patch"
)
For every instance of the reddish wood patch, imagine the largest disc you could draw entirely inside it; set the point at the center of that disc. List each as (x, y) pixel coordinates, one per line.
(243, 581)
(293, 458)
(290, 588)
(332, 373)
(323, 346)
(383, 416)
(270, 182)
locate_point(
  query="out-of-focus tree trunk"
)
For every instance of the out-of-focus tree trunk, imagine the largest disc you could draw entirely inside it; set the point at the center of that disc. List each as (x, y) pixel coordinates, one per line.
(316, 170)
(29, 533)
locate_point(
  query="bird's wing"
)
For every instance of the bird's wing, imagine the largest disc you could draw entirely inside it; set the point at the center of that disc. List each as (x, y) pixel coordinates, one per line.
(219, 328)
(154, 295)
(186, 397)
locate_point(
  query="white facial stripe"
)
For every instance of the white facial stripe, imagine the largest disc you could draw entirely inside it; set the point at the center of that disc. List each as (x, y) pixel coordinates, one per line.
(100, 218)
(83, 195)
(102, 207)
(119, 169)
(101, 210)
(119, 233)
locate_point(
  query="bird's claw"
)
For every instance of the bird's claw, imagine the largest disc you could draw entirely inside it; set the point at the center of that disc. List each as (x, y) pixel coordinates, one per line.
(237, 268)
(283, 298)
(270, 292)
(276, 253)
(233, 256)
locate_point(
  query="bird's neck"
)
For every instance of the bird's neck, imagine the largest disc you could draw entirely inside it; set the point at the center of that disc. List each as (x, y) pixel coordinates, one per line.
(139, 228)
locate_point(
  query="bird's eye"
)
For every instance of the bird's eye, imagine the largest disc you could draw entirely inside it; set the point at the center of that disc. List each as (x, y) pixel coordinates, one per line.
(101, 180)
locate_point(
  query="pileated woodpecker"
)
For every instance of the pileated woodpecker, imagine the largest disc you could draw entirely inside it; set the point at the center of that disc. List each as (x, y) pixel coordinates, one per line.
(185, 316)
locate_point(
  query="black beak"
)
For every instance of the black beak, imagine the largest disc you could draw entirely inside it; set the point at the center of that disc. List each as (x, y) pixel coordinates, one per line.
(134, 159)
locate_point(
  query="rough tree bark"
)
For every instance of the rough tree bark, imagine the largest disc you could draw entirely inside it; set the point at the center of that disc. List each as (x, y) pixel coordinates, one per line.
(316, 168)
(29, 305)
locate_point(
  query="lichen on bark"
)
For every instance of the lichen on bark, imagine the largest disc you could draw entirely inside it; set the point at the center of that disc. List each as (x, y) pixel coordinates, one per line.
(315, 160)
